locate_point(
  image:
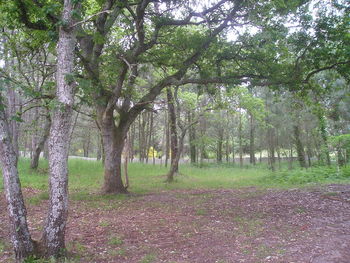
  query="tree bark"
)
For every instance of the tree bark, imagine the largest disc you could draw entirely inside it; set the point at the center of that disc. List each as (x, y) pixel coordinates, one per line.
(54, 231)
(167, 140)
(12, 100)
(20, 236)
(126, 160)
(174, 167)
(132, 143)
(113, 139)
(173, 136)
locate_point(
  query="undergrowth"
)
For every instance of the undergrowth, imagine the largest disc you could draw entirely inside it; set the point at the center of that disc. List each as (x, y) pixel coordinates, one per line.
(312, 175)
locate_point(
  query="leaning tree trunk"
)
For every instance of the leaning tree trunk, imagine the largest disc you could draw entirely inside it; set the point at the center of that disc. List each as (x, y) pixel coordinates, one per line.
(54, 231)
(20, 236)
(39, 147)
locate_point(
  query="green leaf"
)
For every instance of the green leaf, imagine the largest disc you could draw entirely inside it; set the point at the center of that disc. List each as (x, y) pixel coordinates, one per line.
(16, 118)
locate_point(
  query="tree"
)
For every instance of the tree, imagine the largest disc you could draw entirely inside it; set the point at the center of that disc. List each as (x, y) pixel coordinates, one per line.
(23, 244)
(52, 243)
(150, 50)
(54, 232)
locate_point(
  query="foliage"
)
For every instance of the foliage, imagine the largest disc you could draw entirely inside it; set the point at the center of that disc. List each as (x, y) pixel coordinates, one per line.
(152, 153)
(340, 141)
(312, 175)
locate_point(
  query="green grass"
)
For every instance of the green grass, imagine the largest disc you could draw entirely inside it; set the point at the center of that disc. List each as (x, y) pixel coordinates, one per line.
(149, 258)
(115, 241)
(86, 177)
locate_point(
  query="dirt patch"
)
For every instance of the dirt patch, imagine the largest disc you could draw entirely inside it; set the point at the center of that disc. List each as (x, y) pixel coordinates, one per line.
(199, 226)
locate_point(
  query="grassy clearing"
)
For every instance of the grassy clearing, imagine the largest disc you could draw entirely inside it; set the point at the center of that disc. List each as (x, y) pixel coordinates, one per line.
(87, 176)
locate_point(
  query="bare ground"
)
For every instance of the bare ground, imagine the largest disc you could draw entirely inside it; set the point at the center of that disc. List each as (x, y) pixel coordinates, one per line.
(203, 226)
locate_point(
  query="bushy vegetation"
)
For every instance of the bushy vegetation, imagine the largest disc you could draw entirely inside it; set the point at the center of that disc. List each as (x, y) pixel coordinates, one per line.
(313, 175)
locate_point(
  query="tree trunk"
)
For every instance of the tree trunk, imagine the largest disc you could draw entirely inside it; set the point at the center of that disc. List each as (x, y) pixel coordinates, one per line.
(308, 150)
(299, 146)
(260, 156)
(39, 147)
(149, 141)
(251, 141)
(340, 157)
(13, 124)
(113, 139)
(20, 236)
(278, 150)
(34, 141)
(323, 131)
(12, 100)
(240, 140)
(233, 150)
(202, 132)
(271, 146)
(126, 161)
(173, 134)
(132, 143)
(192, 138)
(174, 166)
(99, 147)
(54, 231)
(142, 136)
(167, 141)
(291, 158)
(148, 135)
(86, 143)
(219, 145)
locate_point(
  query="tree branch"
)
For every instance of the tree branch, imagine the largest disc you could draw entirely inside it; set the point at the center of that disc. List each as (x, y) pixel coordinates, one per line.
(306, 80)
